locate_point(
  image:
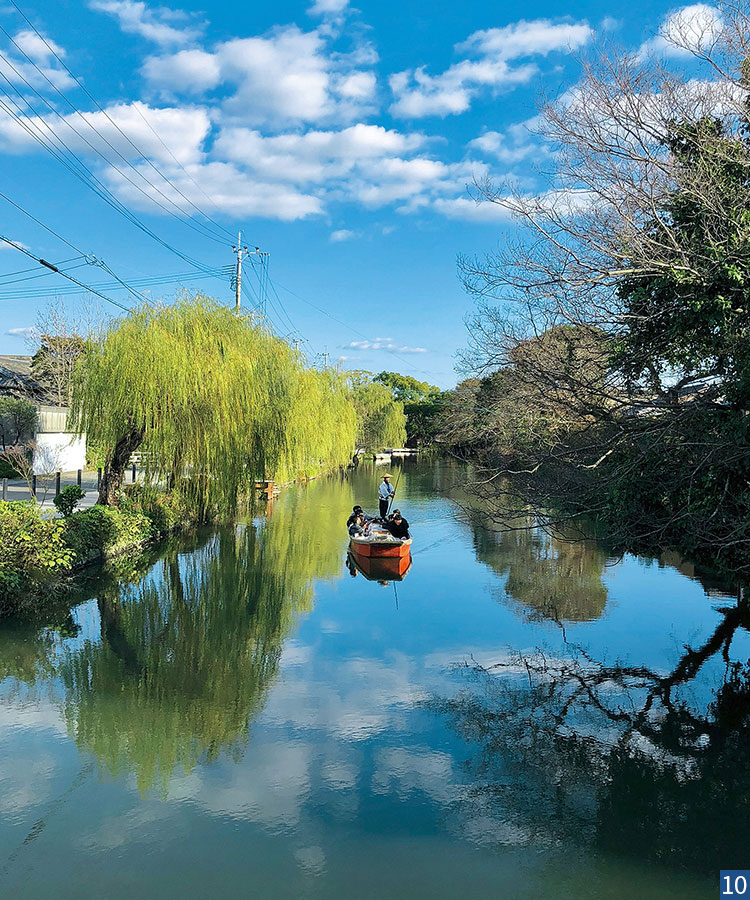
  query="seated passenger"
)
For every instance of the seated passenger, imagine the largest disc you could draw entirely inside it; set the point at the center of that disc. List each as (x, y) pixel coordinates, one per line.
(397, 525)
(356, 513)
(356, 524)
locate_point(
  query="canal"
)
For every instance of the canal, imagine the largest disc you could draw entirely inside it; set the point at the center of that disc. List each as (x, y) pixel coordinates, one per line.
(245, 714)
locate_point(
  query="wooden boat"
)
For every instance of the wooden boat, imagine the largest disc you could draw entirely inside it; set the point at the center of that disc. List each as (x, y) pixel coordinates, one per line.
(393, 568)
(380, 545)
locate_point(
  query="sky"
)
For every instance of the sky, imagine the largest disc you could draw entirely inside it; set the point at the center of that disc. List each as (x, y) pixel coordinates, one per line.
(342, 140)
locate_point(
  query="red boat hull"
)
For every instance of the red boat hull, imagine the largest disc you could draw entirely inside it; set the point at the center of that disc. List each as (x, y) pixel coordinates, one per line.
(383, 550)
(383, 568)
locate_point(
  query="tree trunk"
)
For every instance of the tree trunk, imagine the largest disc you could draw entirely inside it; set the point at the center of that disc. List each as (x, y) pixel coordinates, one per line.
(114, 471)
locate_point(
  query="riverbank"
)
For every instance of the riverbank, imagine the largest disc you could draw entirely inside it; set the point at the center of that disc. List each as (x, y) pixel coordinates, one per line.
(41, 554)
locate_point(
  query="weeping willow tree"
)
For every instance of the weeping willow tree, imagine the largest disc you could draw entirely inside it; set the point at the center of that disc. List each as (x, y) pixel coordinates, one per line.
(210, 400)
(380, 419)
(321, 426)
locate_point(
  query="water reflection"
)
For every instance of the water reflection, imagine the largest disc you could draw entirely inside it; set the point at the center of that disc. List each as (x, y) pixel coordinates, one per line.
(614, 757)
(185, 657)
(310, 693)
(551, 577)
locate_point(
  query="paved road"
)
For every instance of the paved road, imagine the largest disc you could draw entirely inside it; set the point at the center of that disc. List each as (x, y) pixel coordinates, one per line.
(17, 489)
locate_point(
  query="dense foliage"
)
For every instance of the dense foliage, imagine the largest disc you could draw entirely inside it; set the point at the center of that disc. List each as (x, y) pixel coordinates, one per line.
(423, 403)
(380, 419)
(211, 401)
(32, 549)
(68, 498)
(38, 552)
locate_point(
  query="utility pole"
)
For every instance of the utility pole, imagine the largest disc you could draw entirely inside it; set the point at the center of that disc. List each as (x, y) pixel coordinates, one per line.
(325, 359)
(239, 249)
(296, 345)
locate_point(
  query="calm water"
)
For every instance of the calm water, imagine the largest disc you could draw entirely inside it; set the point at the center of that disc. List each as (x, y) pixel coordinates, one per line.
(242, 716)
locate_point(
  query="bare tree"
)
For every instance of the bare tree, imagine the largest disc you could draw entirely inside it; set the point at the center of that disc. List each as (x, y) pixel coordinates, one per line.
(61, 335)
(618, 310)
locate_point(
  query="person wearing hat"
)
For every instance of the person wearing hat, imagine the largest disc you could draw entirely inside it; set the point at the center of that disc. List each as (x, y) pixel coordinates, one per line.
(385, 493)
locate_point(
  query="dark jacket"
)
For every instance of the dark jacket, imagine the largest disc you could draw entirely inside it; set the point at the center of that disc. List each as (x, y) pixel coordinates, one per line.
(398, 529)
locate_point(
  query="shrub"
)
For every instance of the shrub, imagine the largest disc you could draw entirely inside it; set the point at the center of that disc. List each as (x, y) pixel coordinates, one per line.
(165, 511)
(105, 531)
(32, 549)
(67, 500)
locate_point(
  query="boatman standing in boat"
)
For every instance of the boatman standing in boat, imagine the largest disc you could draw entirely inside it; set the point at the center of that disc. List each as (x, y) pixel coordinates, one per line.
(385, 493)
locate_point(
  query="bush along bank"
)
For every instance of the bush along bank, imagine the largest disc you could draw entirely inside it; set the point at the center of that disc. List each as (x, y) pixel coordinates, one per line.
(38, 554)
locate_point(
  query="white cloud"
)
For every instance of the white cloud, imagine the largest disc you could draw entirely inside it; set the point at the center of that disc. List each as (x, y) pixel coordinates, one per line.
(386, 344)
(688, 29)
(11, 245)
(490, 53)
(182, 130)
(40, 49)
(470, 210)
(192, 71)
(523, 39)
(288, 76)
(233, 191)
(135, 17)
(328, 7)
(343, 234)
(512, 146)
(29, 332)
(315, 156)
(41, 68)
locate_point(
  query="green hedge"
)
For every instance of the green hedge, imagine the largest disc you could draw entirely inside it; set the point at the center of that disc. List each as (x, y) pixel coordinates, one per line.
(37, 550)
(32, 550)
(106, 531)
(7, 470)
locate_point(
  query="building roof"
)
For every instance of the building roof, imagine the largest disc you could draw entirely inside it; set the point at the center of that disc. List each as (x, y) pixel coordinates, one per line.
(16, 379)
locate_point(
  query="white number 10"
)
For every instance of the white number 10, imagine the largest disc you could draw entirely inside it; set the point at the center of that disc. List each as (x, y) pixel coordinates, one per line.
(740, 886)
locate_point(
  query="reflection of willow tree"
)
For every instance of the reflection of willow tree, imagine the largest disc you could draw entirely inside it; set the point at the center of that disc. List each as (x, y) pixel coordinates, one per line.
(612, 757)
(558, 579)
(186, 659)
(27, 651)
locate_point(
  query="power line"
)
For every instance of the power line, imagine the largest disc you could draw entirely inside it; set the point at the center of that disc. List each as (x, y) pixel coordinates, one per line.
(36, 272)
(54, 268)
(93, 99)
(40, 293)
(89, 258)
(200, 227)
(76, 166)
(102, 189)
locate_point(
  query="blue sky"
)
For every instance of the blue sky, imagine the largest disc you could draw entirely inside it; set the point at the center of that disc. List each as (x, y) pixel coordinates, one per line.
(341, 139)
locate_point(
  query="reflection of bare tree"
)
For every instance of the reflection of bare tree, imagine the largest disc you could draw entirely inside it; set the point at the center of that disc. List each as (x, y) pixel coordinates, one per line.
(612, 756)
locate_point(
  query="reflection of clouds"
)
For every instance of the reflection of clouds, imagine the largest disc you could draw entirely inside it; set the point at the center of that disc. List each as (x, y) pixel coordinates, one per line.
(26, 779)
(311, 860)
(402, 771)
(340, 775)
(36, 715)
(368, 696)
(270, 791)
(25, 784)
(294, 654)
(118, 831)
